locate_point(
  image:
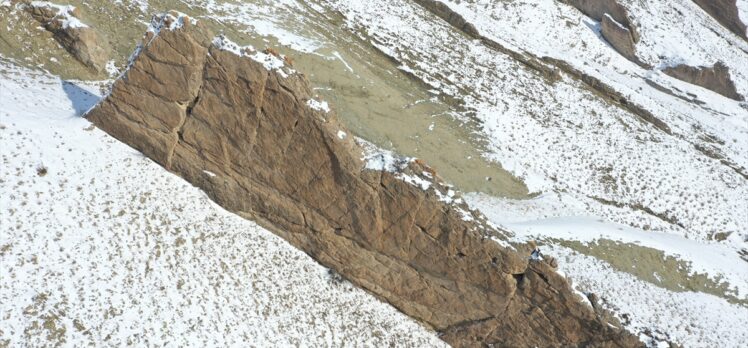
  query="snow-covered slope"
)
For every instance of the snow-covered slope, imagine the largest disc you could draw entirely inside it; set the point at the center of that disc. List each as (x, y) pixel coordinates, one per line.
(603, 172)
(105, 247)
(608, 181)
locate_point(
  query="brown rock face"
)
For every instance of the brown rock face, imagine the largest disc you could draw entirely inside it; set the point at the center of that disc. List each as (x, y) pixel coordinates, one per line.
(616, 25)
(249, 138)
(726, 13)
(619, 36)
(596, 9)
(78, 39)
(716, 78)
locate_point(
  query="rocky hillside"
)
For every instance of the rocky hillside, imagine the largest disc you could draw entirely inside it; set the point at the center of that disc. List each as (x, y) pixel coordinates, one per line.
(612, 135)
(231, 119)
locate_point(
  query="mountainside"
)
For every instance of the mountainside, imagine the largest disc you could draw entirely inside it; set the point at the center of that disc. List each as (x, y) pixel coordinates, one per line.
(602, 148)
(112, 250)
(234, 118)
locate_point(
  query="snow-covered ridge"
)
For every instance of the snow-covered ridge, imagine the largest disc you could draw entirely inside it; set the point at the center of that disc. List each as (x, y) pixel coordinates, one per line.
(64, 14)
(271, 60)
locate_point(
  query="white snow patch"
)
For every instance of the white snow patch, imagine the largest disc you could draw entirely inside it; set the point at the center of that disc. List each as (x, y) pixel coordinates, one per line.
(111, 69)
(691, 319)
(279, 18)
(342, 135)
(564, 217)
(743, 12)
(340, 58)
(169, 21)
(376, 158)
(319, 105)
(268, 60)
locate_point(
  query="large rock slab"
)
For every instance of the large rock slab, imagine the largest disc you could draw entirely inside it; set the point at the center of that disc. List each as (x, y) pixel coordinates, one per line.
(80, 40)
(616, 25)
(620, 37)
(715, 78)
(244, 127)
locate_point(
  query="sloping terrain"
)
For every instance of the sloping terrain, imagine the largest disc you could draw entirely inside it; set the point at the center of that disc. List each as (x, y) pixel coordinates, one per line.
(229, 119)
(633, 179)
(101, 246)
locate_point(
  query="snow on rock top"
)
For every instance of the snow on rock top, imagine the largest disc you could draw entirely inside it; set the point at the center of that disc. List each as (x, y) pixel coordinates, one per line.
(377, 158)
(65, 14)
(269, 59)
(319, 105)
(172, 20)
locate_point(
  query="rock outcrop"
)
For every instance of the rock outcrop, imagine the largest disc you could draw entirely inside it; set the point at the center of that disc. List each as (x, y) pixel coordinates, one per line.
(715, 78)
(726, 13)
(615, 24)
(547, 67)
(244, 127)
(620, 37)
(77, 38)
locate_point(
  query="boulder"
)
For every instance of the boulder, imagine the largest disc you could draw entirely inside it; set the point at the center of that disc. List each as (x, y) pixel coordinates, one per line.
(615, 25)
(715, 78)
(596, 9)
(245, 127)
(77, 38)
(620, 37)
(726, 13)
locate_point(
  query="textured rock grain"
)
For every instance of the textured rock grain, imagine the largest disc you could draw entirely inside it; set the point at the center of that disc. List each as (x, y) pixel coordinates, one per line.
(247, 137)
(715, 78)
(82, 42)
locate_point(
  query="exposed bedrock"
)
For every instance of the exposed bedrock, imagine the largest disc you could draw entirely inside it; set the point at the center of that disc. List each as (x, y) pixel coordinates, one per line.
(615, 24)
(251, 139)
(715, 78)
(549, 68)
(726, 13)
(80, 40)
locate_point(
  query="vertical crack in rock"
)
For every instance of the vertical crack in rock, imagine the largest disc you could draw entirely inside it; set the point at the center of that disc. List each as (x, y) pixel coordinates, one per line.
(389, 232)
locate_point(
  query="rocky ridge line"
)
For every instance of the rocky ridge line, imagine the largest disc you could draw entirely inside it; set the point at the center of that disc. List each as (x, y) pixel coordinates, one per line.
(715, 78)
(243, 126)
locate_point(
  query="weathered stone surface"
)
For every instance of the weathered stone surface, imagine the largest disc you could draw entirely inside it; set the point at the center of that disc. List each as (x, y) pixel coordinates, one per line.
(726, 13)
(619, 37)
(716, 78)
(78, 39)
(247, 137)
(615, 22)
(596, 9)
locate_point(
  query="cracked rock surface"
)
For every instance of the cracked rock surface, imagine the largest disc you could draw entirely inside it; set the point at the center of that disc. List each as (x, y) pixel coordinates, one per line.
(80, 40)
(247, 136)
